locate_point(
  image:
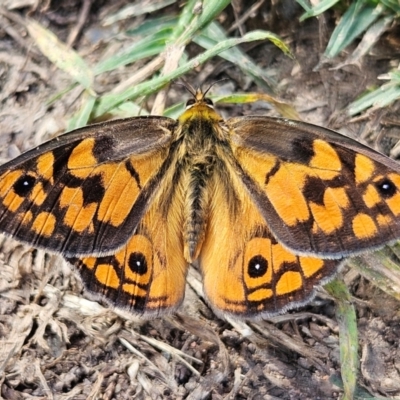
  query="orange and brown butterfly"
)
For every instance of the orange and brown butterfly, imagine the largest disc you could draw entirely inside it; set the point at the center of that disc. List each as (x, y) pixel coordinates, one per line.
(268, 207)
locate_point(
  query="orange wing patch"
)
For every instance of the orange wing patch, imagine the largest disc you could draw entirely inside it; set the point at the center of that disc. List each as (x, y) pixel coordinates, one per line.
(82, 204)
(246, 271)
(147, 276)
(329, 202)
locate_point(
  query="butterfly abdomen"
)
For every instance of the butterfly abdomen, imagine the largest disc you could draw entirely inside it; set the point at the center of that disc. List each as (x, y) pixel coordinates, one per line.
(201, 139)
(196, 203)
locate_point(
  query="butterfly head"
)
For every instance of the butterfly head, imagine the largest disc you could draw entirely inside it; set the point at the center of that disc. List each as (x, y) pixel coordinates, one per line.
(199, 107)
(199, 97)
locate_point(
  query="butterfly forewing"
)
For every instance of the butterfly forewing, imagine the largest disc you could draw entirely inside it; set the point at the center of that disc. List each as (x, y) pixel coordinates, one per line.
(85, 192)
(321, 193)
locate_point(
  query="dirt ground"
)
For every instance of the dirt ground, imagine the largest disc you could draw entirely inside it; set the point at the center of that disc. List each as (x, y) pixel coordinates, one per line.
(56, 343)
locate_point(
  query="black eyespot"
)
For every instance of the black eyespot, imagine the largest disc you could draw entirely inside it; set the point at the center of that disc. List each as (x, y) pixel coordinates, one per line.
(208, 101)
(24, 185)
(190, 102)
(386, 188)
(137, 263)
(257, 266)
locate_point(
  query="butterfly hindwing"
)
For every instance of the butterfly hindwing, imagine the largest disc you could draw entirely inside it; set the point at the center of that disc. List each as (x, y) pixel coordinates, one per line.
(322, 194)
(147, 275)
(85, 192)
(246, 271)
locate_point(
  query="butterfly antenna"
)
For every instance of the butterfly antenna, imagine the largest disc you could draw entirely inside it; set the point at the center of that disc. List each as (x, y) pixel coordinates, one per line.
(208, 89)
(187, 86)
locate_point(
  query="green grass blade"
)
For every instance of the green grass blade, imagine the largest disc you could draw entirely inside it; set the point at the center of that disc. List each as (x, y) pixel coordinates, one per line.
(175, 111)
(108, 102)
(148, 27)
(146, 47)
(286, 110)
(316, 10)
(210, 10)
(135, 10)
(358, 17)
(371, 36)
(81, 118)
(379, 268)
(393, 5)
(348, 336)
(214, 33)
(394, 76)
(360, 393)
(380, 97)
(181, 33)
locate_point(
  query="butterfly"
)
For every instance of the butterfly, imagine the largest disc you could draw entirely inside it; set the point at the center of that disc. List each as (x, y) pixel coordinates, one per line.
(267, 207)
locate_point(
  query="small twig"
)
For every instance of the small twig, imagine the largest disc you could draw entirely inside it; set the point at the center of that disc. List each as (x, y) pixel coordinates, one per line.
(81, 22)
(172, 56)
(239, 22)
(24, 43)
(141, 75)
